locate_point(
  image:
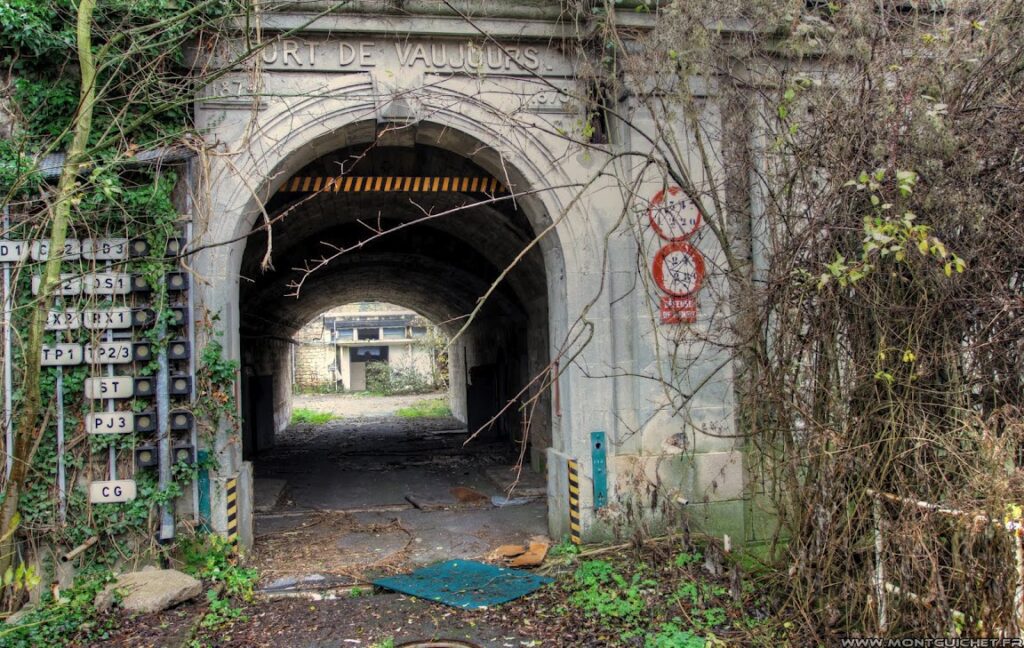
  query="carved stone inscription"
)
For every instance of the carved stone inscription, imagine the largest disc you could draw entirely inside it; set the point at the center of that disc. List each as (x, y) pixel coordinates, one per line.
(298, 54)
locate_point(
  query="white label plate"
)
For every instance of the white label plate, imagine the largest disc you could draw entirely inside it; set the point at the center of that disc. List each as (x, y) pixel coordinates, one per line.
(108, 353)
(108, 249)
(110, 422)
(69, 286)
(13, 251)
(61, 355)
(110, 387)
(107, 283)
(63, 320)
(105, 492)
(101, 319)
(72, 250)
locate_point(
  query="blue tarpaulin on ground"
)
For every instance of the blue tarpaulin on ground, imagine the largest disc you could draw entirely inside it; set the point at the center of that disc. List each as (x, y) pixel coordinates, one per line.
(465, 583)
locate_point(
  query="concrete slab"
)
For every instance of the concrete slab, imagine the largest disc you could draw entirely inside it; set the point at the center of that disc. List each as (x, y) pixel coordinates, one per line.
(266, 493)
(370, 547)
(347, 510)
(519, 482)
(442, 535)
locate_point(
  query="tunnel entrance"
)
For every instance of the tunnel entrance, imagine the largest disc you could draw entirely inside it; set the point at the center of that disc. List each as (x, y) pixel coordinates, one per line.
(421, 228)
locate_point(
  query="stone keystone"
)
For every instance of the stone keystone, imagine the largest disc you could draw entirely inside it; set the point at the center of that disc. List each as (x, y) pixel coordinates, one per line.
(150, 590)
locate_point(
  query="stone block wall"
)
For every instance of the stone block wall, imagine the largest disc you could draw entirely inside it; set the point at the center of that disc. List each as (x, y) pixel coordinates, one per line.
(312, 365)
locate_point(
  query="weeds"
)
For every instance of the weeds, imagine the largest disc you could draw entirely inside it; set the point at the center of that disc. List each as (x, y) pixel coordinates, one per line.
(429, 408)
(306, 416)
(210, 558)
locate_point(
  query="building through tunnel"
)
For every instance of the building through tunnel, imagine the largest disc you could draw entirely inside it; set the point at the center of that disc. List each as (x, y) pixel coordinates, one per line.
(421, 228)
(369, 347)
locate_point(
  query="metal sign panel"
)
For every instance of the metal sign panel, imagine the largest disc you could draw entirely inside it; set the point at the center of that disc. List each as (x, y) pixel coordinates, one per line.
(599, 464)
(100, 319)
(678, 269)
(61, 355)
(673, 215)
(72, 250)
(678, 310)
(13, 251)
(65, 320)
(106, 492)
(108, 353)
(110, 422)
(110, 387)
(107, 249)
(69, 286)
(107, 283)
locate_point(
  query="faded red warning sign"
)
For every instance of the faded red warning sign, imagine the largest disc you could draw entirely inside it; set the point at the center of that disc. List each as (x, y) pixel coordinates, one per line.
(673, 215)
(678, 310)
(678, 269)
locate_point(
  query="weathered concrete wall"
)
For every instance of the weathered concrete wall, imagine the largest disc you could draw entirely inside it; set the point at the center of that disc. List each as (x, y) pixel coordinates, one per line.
(662, 394)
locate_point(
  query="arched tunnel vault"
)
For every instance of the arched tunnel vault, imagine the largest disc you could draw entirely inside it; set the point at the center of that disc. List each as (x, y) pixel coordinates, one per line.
(436, 252)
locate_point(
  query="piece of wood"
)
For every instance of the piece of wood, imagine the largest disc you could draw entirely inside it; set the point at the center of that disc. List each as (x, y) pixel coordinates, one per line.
(536, 554)
(509, 551)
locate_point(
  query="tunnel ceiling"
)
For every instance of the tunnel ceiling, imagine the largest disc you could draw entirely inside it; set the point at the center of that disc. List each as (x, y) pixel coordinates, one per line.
(439, 266)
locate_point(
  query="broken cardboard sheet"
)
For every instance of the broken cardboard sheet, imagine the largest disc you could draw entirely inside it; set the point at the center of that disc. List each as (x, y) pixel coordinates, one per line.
(531, 555)
(465, 584)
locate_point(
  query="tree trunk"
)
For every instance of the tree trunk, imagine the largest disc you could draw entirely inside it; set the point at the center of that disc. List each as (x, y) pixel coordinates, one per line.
(26, 431)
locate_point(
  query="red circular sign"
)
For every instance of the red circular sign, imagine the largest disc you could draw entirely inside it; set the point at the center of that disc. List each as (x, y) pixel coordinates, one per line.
(678, 269)
(673, 215)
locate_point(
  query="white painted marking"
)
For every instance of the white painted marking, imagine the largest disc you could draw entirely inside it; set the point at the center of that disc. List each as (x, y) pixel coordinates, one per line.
(70, 285)
(72, 250)
(108, 353)
(110, 422)
(107, 249)
(99, 319)
(13, 251)
(61, 355)
(107, 283)
(110, 387)
(105, 492)
(65, 320)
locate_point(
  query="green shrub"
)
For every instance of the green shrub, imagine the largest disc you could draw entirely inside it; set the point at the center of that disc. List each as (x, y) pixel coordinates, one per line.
(384, 378)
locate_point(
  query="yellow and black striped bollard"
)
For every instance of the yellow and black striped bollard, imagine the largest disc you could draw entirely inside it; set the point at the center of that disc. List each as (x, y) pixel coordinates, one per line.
(231, 488)
(574, 503)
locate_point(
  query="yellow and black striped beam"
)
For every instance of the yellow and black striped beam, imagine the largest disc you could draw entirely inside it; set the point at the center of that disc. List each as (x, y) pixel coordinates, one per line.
(391, 184)
(231, 488)
(575, 529)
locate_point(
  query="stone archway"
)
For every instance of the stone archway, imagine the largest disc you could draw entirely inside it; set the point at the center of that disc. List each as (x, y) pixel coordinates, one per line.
(539, 196)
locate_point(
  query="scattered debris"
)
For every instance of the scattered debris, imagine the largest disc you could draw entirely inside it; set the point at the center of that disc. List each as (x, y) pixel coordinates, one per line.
(150, 590)
(508, 551)
(332, 544)
(529, 555)
(533, 556)
(468, 495)
(501, 501)
(465, 584)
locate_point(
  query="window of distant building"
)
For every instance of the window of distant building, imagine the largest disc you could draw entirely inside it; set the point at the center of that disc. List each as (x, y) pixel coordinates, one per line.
(394, 332)
(369, 354)
(343, 334)
(369, 334)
